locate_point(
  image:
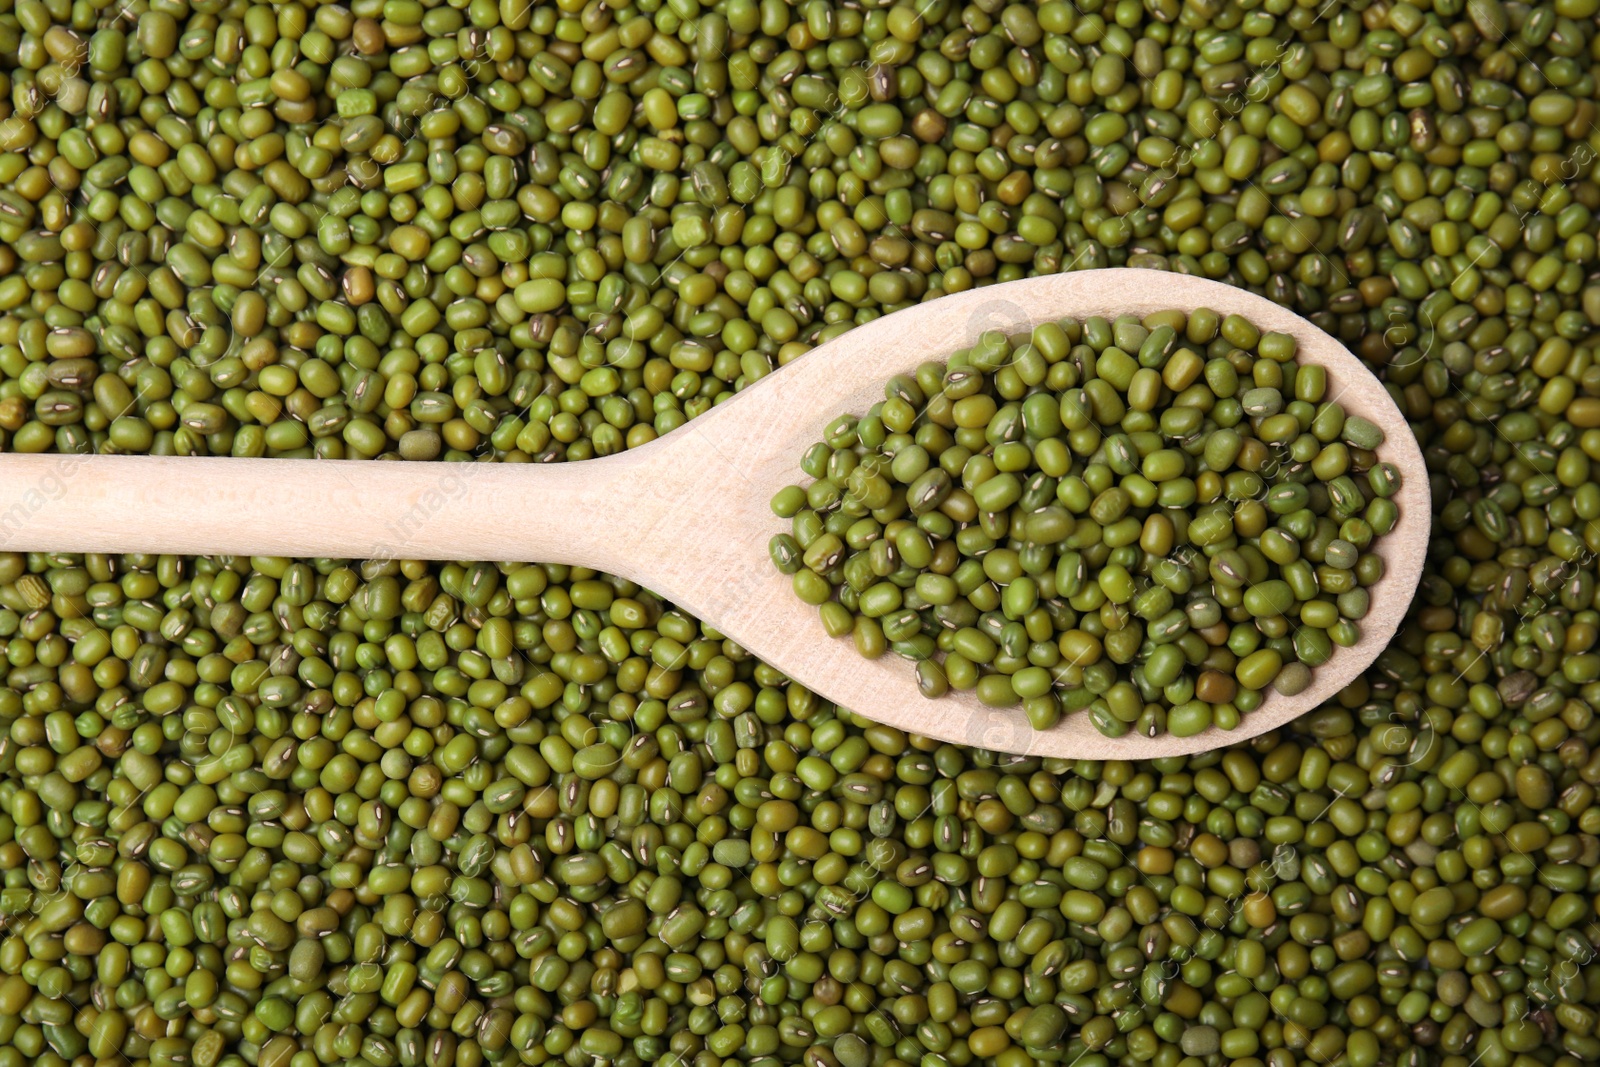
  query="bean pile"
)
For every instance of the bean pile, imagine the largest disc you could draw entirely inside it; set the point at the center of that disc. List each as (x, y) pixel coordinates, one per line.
(1123, 502)
(287, 813)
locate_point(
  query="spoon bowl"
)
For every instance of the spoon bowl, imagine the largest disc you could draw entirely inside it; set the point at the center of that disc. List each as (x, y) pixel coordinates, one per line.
(688, 516)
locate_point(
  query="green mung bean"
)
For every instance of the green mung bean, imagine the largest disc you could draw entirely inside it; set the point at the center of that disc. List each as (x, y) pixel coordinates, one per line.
(180, 181)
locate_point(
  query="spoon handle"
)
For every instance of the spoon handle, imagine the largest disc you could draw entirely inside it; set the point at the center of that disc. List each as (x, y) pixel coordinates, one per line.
(568, 513)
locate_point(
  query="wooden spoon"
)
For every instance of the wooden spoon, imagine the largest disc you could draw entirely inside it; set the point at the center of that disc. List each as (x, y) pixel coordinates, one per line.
(688, 515)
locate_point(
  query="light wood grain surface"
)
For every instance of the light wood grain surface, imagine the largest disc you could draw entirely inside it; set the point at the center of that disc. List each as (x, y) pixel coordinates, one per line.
(687, 515)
